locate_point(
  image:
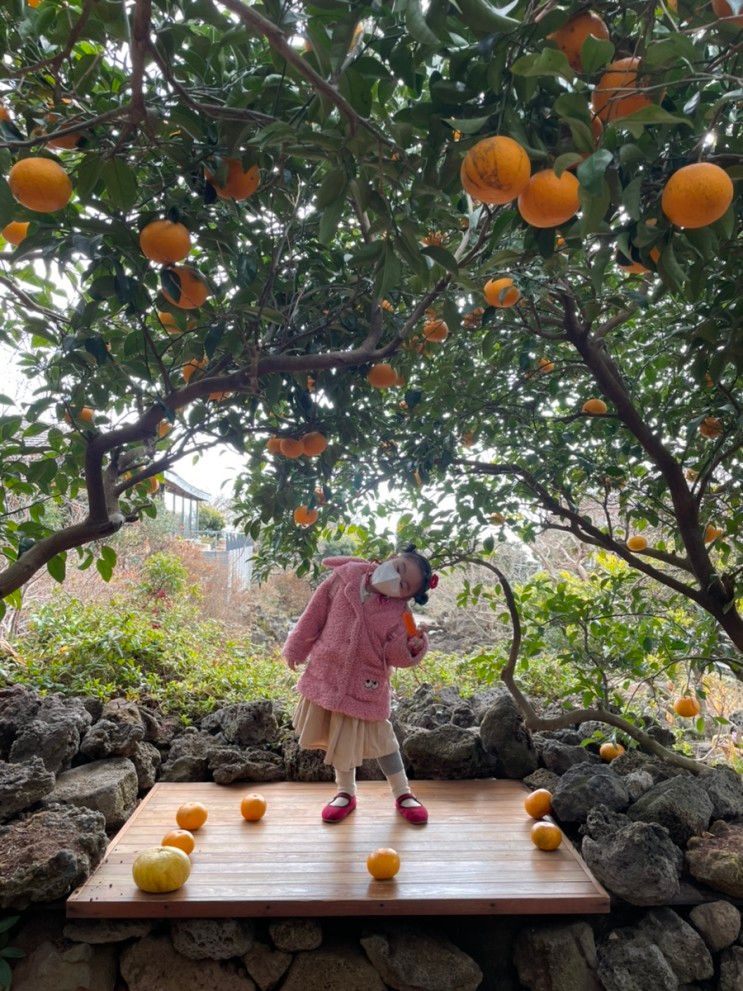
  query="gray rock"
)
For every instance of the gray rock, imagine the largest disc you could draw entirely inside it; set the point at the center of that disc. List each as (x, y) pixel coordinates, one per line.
(718, 923)
(505, 736)
(684, 949)
(462, 715)
(731, 969)
(292, 935)
(146, 759)
(557, 958)
(50, 967)
(636, 860)
(339, 968)
(716, 858)
(212, 939)
(93, 705)
(410, 959)
(153, 964)
(18, 706)
(53, 734)
(229, 764)
(628, 962)
(680, 804)
(266, 966)
(158, 730)
(106, 930)
(725, 789)
(22, 785)
(558, 757)
(304, 765)
(542, 778)
(247, 724)
(188, 758)
(635, 760)
(571, 737)
(111, 739)
(448, 752)
(108, 786)
(637, 783)
(428, 707)
(45, 854)
(584, 786)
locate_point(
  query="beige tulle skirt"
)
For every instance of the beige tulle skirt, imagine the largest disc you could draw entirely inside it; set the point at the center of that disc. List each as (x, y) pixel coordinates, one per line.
(346, 740)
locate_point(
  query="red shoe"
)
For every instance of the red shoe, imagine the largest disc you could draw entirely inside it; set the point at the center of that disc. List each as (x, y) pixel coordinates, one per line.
(417, 814)
(335, 813)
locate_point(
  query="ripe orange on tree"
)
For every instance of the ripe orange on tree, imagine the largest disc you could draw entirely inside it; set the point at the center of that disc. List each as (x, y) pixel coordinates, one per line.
(546, 836)
(239, 184)
(163, 428)
(253, 807)
(16, 231)
(65, 142)
(495, 170)
(548, 199)
(84, 415)
(711, 427)
(314, 443)
(40, 184)
(711, 533)
(570, 37)
(545, 366)
(273, 445)
(610, 751)
(382, 375)
(594, 407)
(304, 516)
(386, 305)
(191, 815)
(383, 863)
(637, 543)
(181, 838)
(617, 94)
(291, 448)
(687, 706)
(164, 241)
(435, 331)
(501, 293)
(193, 290)
(153, 486)
(538, 803)
(218, 397)
(721, 8)
(193, 366)
(697, 195)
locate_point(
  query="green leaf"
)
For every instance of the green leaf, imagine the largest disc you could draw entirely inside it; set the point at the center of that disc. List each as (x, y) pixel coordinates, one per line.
(636, 122)
(591, 172)
(563, 162)
(595, 54)
(56, 567)
(484, 18)
(594, 207)
(329, 221)
(548, 62)
(444, 258)
(417, 26)
(121, 183)
(468, 125)
(331, 188)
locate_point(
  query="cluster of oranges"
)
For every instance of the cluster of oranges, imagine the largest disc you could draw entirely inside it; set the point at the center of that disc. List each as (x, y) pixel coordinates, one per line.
(310, 445)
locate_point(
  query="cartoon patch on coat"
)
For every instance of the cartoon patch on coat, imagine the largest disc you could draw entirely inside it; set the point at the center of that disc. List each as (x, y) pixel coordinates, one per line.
(371, 683)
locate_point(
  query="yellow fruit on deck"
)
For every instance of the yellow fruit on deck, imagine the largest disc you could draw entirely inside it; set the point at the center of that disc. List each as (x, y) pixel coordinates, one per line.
(495, 170)
(165, 242)
(501, 293)
(435, 330)
(616, 94)
(193, 289)
(160, 869)
(697, 195)
(383, 864)
(291, 448)
(711, 427)
(721, 8)
(382, 376)
(191, 815)
(304, 516)
(549, 200)
(253, 807)
(610, 751)
(538, 803)
(711, 533)
(570, 37)
(546, 836)
(687, 706)
(180, 838)
(594, 407)
(314, 443)
(40, 184)
(637, 543)
(240, 183)
(15, 231)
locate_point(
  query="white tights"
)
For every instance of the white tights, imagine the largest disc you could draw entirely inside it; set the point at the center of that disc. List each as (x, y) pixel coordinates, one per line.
(391, 766)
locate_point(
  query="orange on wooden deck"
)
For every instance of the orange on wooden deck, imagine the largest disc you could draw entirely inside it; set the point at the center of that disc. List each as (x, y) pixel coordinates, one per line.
(474, 857)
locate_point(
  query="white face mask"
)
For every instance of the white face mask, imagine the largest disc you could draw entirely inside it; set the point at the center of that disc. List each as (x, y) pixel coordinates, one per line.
(385, 579)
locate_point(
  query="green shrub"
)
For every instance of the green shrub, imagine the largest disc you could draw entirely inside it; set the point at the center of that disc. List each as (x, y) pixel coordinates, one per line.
(163, 574)
(210, 518)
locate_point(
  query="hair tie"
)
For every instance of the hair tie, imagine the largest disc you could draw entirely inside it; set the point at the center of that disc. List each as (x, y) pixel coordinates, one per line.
(433, 581)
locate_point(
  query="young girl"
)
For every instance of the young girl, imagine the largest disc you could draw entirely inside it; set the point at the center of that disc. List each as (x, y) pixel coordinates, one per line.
(353, 631)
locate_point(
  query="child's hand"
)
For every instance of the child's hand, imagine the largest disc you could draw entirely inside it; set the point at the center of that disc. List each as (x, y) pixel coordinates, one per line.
(415, 645)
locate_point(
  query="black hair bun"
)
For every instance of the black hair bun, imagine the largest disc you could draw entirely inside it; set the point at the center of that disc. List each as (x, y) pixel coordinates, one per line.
(421, 599)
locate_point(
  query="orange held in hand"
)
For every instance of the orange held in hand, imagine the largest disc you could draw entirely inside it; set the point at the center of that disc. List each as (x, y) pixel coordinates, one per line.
(191, 815)
(538, 803)
(181, 838)
(546, 836)
(383, 864)
(411, 628)
(253, 807)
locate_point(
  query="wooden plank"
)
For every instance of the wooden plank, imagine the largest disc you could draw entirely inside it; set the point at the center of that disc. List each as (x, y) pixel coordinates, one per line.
(474, 857)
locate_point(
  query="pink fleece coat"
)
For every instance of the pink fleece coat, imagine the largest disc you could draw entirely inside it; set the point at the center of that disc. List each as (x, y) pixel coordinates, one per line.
(351, 644)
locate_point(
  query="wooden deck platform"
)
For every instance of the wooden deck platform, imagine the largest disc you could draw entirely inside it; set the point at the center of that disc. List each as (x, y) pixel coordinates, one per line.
(474, 857)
